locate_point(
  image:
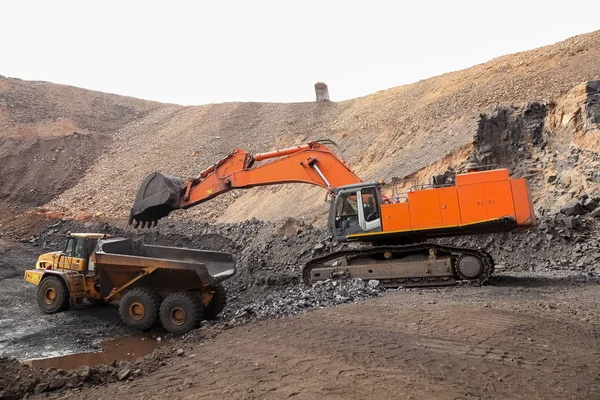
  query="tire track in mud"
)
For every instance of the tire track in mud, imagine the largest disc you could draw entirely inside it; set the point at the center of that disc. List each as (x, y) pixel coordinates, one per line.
(398, 345)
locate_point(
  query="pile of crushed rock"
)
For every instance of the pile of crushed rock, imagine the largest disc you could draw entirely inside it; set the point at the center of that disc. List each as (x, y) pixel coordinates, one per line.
(299, 298)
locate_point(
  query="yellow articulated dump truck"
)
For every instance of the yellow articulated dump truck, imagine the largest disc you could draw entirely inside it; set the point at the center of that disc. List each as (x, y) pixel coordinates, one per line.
(178, 286)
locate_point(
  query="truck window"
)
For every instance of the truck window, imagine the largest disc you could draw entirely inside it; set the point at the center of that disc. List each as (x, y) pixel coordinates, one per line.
(70, 247)
(79, 248)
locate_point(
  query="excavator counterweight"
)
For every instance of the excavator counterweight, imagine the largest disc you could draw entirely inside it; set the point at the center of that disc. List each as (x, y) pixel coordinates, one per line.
(481, 201)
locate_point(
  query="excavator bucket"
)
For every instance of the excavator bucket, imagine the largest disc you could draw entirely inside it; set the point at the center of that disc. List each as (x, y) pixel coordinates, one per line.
(158, 195)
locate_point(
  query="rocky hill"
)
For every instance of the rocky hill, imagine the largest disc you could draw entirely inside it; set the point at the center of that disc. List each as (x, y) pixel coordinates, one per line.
(78, 151)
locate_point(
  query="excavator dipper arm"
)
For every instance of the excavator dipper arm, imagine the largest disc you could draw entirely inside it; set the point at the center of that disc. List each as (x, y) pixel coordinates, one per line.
(312, 163)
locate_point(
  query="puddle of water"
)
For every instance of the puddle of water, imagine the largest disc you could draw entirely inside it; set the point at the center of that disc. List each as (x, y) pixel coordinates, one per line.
(125, 348)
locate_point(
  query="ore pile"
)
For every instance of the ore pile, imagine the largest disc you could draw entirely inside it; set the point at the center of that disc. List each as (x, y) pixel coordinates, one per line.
(561, 241)
(296, 299)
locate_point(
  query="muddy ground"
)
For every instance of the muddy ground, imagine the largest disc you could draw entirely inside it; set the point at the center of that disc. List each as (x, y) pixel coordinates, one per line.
(524, 337)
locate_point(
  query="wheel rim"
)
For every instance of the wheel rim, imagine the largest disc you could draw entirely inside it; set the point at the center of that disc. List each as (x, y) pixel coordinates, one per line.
(50, 295)
(137, 310)
(178, 316)
(469, 267)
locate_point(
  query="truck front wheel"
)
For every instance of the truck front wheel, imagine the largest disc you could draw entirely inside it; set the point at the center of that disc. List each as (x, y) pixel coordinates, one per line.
(139, 308)
(181, 312)
(53, 295)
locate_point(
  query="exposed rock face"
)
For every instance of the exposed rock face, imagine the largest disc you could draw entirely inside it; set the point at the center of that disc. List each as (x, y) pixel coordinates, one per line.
(592, 105)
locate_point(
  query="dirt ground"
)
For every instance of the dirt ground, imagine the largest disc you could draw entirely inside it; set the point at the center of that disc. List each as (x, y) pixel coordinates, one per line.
(524, 337)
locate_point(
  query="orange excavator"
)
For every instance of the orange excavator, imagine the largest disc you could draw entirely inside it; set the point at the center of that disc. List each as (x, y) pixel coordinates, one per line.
(398, 227)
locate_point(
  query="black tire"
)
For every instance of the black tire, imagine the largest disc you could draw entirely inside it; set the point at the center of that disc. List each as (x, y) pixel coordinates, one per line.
(139, 308)
(53, 295)
(180, 312)
(217, 303)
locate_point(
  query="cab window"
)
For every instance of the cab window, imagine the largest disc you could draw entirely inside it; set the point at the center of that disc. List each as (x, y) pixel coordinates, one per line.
(347, 210)
(70, 247)
(79, 248)
(370, 208)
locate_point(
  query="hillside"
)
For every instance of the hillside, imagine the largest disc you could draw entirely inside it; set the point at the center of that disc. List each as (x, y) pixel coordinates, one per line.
(392, 133)
(52, 134)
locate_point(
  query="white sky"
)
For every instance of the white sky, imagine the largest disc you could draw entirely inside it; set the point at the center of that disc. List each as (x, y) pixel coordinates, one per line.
(197, 52)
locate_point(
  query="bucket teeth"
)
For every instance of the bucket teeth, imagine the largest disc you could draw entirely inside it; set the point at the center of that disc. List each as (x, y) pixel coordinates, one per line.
(137, 223)
(158, 195)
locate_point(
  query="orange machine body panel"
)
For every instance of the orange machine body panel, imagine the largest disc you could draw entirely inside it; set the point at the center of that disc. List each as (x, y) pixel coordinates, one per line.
(395, 217)
(449, 206)
(523, 204)
(424, 206)
(478, 197)
(471, 178)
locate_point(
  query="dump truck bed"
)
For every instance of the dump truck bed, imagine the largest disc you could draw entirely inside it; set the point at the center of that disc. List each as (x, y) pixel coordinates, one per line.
(120, 262)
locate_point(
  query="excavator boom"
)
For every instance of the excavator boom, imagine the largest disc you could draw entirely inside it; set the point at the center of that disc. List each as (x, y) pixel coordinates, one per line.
(312, 163)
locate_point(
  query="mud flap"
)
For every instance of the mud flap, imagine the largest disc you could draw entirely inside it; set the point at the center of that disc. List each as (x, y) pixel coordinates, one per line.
(158, 195)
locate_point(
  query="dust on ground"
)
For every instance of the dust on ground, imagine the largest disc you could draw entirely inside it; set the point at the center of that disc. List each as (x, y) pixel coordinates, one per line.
(523, 337)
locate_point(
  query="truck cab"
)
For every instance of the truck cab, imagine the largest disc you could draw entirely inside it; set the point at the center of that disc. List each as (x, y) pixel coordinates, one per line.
(65, 277)
(75, 256)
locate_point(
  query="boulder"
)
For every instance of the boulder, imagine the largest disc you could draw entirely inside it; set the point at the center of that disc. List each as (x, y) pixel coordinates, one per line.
(56, 382)
(571, 222)
(123, 374)
(40, 388)
(573, 208)
(589, 204)
(83, 372)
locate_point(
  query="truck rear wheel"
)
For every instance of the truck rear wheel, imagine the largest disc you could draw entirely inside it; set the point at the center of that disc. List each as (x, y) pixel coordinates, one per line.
(139, 308)
(181, 312)
(53, 295)
(217, 303)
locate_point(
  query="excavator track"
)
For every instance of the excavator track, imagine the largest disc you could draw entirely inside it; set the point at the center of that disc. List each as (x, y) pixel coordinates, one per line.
(415, 265)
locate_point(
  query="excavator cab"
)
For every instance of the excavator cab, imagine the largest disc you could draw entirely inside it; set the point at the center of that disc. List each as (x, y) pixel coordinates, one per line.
(355, 209)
